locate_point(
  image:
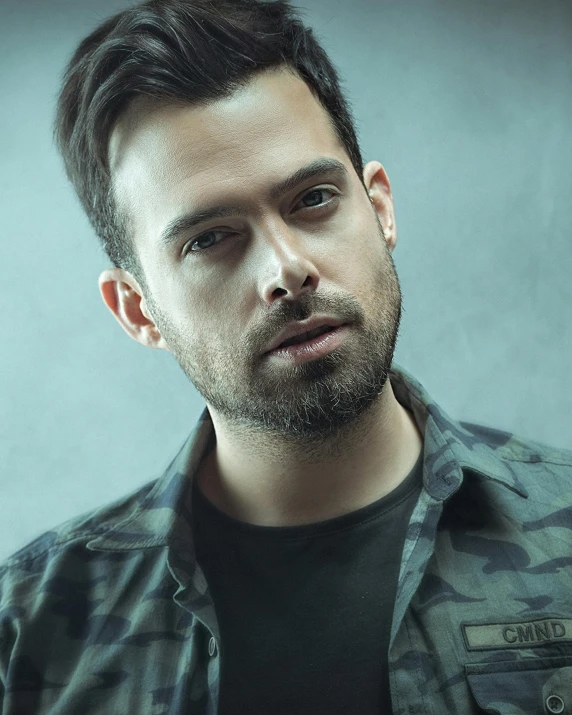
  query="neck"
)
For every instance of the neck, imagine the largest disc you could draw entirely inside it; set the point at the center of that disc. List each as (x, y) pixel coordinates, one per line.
(260, 479)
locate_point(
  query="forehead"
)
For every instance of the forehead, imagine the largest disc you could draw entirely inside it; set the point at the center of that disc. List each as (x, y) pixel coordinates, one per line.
(165, 158)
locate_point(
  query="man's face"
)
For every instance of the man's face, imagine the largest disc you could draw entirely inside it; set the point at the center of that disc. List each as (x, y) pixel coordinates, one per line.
(222, 290)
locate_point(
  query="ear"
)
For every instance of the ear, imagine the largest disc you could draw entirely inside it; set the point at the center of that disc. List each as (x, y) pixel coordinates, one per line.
(381, 198)
(123, 296)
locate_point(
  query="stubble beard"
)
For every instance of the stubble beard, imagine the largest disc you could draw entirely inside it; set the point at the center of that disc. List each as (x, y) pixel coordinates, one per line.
(309, 403)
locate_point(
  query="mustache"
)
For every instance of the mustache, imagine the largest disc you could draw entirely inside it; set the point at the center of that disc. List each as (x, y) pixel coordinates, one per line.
(344, 307)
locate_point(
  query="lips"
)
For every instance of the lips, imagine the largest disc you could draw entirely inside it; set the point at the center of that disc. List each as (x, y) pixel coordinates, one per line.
(298, 332)
(305, 336)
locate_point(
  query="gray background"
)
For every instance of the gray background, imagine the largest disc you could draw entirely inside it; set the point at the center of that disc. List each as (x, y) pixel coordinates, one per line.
(468, 107)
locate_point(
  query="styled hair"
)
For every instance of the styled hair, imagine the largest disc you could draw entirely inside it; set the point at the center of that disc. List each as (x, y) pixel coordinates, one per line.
(190, 51)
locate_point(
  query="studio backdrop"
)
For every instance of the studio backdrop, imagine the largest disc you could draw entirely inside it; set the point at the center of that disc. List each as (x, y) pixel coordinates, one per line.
(467, 105)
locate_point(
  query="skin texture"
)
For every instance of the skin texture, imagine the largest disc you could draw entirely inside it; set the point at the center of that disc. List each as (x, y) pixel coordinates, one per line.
(294, 443)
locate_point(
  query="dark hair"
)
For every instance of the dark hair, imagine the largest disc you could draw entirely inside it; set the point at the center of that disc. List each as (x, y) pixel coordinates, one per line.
(181, 50)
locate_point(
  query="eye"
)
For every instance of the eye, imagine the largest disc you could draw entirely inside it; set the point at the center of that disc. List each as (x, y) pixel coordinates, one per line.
(315, 199)
(209, 238)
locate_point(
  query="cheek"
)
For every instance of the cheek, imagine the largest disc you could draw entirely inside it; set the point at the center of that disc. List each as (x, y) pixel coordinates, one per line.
(364, 259)
(213, 326)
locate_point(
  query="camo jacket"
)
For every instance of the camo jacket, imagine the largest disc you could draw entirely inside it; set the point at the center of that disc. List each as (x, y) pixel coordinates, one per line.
(110, 613)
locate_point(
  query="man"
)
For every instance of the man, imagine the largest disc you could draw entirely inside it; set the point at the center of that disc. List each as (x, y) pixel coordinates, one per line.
(327, 540)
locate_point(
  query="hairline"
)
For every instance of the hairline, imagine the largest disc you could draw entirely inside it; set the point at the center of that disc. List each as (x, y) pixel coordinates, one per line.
(123, 217)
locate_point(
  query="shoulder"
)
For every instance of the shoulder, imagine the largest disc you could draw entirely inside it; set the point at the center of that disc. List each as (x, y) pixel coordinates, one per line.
(516, 447)
(522, 452)
(35, 557)
(539, 471)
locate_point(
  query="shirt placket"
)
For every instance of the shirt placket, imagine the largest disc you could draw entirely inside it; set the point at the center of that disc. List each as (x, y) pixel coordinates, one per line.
(406, 661)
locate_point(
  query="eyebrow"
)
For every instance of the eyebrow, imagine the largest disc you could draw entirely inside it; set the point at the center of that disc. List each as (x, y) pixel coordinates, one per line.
(189, 220)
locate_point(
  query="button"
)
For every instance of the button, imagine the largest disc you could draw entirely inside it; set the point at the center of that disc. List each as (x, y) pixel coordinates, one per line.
(554, 704)
(212, 651)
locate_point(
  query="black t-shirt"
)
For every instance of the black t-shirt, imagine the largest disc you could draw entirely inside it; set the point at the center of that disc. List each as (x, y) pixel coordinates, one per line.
(305, 611)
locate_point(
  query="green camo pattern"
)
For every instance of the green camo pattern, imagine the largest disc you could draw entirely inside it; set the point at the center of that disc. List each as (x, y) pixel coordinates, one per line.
(110, 612)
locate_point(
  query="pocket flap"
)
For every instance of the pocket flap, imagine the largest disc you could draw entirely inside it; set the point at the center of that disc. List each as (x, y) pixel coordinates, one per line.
(521, 687)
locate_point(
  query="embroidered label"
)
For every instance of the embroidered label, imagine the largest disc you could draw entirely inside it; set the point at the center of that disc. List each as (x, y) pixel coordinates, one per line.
(518, 635)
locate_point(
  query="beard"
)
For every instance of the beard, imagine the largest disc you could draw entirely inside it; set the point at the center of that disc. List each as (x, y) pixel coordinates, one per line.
(306, 404)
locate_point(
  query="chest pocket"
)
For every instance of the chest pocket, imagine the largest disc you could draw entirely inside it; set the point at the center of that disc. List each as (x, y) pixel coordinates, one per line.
(532, 686)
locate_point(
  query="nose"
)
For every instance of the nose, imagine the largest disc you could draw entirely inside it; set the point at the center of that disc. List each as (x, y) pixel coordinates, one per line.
(287, 271)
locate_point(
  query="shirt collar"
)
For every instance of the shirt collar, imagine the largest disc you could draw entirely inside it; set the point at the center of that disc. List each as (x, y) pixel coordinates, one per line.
(451, 450)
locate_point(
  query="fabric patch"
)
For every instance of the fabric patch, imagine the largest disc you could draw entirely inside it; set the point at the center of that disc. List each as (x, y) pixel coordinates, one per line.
(523, 634)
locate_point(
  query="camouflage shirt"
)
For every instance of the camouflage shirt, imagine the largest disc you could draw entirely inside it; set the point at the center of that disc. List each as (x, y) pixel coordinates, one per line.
(110, 613)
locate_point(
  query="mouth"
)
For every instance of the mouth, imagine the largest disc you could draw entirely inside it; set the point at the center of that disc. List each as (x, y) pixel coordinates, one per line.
(305, 337)
(310, 345)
